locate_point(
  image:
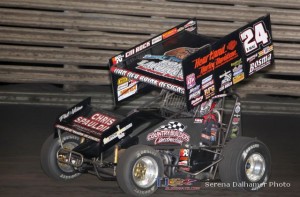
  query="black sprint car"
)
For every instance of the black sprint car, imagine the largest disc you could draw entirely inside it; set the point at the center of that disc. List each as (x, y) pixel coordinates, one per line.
(181, 132)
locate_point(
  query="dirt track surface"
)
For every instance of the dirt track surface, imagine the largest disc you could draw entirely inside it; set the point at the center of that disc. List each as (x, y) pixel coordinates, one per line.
(24, 128)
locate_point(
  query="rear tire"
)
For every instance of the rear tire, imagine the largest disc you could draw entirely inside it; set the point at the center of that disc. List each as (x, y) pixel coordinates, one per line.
(246, 165)
(49, 163)
(138, 169)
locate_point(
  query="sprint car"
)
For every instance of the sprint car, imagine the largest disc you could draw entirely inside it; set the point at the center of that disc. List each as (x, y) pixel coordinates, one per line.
(179, 133)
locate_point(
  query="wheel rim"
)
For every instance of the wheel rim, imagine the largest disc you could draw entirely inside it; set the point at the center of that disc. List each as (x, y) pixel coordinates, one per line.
(255, 167)
(63, 166)
(145, 172)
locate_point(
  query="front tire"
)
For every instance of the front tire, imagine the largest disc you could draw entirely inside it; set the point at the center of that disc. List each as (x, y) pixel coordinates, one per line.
(49, 163)
(138, 169)
(246, 165)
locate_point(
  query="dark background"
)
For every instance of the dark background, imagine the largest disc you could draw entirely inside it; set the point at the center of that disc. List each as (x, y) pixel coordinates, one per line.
(67, 44)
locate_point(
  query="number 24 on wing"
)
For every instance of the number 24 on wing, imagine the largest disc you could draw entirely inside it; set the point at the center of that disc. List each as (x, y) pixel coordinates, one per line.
(252, 37)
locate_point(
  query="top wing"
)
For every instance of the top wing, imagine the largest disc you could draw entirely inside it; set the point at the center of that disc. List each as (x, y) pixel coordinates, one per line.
(156, 62)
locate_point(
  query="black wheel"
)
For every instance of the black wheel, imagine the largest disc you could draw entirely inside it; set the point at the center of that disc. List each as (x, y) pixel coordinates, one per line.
(49, 163)
(246, 164)
(138, 169)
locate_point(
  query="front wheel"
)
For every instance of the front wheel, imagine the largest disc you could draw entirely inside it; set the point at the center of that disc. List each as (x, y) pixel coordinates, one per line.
(138, 169)
(246, 164)
(49, 163)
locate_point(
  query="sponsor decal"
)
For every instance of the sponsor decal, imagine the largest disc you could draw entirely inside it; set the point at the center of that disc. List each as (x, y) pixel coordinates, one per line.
(77, 132)
(238, 73)
(213, 133)
(99, 122)
(122, 80)
(209, 92)
(237, 63)
(236, 115)
(172, 133)
(195, 95)
(148, 80)
(206, 82)
(190, 24)
(70, 112)
(226, 80)
(238, 78)
(197, 100)
(237, 108)
(142, 47)
(237, 70)
(235, 121)
(194, 89)
(251, 58)
(260, 63)
(219, 96)
(117, 59)
(231, 45)
(190, 80)
(207, 79)
(216, 58)
(177, 184)
(183, 163)
(265, 51)
(165, 68)
(118, 134)
(206, 85)
(137, 49)
(127, 89)
(129, 53)
(156, 40)
(169, 33)
(123, 83)
(184, 155)
(122, 86)
(234, 131)
(198, 120)
(85, 129)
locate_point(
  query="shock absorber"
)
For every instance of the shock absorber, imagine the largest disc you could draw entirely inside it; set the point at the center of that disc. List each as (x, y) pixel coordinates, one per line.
(116, 154)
